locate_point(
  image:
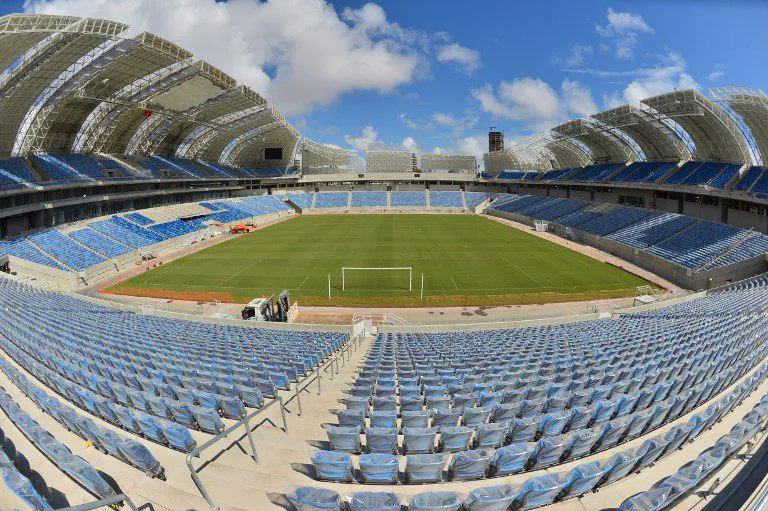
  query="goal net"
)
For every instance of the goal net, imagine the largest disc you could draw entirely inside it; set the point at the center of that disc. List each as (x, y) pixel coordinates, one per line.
(377, 278)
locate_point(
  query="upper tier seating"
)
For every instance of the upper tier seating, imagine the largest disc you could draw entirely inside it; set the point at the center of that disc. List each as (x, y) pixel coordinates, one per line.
(369, 199)
(331, 200)
(61, 171)
(705, 174)
(557, 175)
(596, 172)
(748, 179)
(408, 199)
(515, 174)
(14, 173)
(446, 200)
(644, 172)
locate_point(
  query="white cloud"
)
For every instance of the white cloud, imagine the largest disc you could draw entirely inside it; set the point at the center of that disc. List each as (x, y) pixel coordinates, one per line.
(467, 59)
(535, 101)
(576, 57)
(577, 98)
(369, 140)
(624, 28)
(409, 144)
(612, 101)
(715, 75)
(667, 77)
(366, 139)
(300, 54)
(414, 125)
(475, 145)
(439, 150)
(445, 119)
(520, 99)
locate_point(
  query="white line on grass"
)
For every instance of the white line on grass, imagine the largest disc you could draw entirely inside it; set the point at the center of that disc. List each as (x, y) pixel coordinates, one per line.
(302, 282)
(239, 272)
(523, 272)
(454, 282)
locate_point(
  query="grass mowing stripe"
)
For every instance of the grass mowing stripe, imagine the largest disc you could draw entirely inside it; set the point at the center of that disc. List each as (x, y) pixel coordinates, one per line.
(499, 262)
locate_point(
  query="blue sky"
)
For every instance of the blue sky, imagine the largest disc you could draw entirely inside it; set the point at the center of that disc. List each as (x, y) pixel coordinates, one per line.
(432, 75)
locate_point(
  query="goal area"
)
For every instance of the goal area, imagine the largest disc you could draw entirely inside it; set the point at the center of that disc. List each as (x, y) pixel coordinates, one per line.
(391, 278)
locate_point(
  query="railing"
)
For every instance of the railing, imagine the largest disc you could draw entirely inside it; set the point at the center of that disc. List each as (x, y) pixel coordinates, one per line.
(109, 501)
(317, 374)
(242, 422)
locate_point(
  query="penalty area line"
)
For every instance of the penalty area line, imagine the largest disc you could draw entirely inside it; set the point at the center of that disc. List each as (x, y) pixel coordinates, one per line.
(238, 273)
(454, 282)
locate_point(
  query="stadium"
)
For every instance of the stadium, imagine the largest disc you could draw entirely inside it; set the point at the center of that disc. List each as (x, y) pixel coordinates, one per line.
(202, 308)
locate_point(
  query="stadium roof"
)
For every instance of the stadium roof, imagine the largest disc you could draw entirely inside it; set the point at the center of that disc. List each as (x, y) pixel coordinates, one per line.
(605, 145)
(716, 136)
(317, 157)
(77, 85)
(658, 141)
(752, 106)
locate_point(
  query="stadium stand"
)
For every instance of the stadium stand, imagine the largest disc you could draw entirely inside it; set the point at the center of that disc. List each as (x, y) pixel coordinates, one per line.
(97, 242)
(408, 199)
(369, 200)
(14, 173)
(596, 172)
(644, 172)
(474, 199)
(65, 249)
(446, 200)
(331, 200)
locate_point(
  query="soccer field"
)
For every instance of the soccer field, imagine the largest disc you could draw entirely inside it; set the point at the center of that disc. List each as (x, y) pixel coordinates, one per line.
(465, 260)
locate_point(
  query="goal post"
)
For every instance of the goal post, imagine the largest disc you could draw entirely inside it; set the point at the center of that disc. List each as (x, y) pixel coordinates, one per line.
(346, 269)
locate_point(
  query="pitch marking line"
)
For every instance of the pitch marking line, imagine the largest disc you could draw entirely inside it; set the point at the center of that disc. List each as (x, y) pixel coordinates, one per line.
(454, 282)
(524, 272)
(302, 282)
(239, 272)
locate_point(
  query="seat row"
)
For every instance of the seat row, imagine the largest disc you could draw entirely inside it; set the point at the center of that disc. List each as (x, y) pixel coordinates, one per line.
(523, 451)
(121, 447)
(673, 488)
(74, 466)
(542, 489)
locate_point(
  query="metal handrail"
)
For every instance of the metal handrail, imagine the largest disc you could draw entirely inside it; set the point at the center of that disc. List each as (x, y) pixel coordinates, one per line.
(242, 422)
(102, 503)
(316, 375)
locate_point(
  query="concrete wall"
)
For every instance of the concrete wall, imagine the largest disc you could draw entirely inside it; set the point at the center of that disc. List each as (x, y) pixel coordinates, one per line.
(668, 205)
(558, 192)
(581, 195)
(609, 197)
(705, 211)
(747, 220)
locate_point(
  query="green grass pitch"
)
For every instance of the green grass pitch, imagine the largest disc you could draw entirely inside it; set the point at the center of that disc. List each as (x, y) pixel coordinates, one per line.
(465, 260)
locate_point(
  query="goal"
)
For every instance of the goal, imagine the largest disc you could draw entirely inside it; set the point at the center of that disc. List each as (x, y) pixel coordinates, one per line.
(378, 282)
